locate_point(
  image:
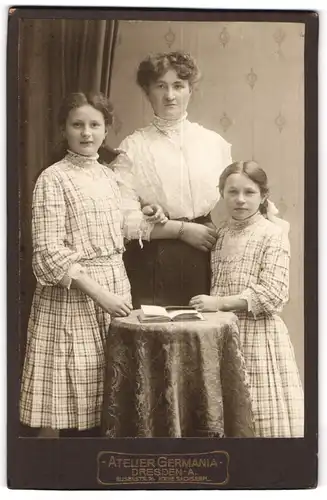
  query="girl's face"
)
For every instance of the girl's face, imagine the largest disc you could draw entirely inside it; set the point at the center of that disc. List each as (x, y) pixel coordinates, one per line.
(85, 130)
(242, 196)
(169, 96)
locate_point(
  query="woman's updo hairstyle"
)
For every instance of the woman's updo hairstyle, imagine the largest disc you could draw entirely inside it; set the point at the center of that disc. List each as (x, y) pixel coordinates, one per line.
(156, 65)
(252, 170)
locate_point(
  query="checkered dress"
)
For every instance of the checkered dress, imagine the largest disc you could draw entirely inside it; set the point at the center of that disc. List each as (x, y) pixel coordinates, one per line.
(76, 218)
(251, 259)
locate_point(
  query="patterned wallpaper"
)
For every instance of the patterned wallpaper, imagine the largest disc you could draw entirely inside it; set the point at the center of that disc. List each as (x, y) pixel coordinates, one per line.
(251, 92)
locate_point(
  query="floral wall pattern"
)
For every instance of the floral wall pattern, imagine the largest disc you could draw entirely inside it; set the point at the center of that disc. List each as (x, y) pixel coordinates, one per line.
(251, 92)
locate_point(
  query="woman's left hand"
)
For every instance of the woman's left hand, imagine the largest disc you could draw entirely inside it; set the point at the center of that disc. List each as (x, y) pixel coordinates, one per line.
(205, 303)
(154, 213)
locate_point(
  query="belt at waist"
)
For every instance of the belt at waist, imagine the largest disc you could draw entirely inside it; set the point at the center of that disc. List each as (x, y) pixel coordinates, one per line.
(103, 260)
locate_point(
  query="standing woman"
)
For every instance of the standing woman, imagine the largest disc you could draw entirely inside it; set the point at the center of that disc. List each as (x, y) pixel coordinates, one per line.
(176, 164)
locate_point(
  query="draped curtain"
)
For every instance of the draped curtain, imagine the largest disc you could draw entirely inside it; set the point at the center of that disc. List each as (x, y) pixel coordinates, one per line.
(55, 57)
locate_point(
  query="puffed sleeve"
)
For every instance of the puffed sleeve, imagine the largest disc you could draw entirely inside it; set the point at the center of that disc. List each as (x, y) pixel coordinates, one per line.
(136, 225)
(52, 259)
(270, 293)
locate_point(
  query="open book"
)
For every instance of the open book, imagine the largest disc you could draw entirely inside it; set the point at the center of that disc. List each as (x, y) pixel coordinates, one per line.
(158, 314)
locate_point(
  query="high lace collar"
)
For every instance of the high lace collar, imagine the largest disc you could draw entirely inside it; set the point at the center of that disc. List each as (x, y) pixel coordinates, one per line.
(81, 161)
(168, 126)
(239, 225)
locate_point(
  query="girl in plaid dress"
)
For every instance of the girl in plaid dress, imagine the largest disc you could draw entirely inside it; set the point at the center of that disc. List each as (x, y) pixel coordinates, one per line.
(250, 276)
(79, 221)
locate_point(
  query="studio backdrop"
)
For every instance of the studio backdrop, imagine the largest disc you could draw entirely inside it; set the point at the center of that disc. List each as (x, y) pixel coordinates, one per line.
(55, 57)
(251, 92)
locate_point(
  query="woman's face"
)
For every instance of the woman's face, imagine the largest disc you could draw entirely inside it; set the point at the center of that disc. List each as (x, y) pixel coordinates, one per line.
(85, 130)
(242, 196)
(169, 96)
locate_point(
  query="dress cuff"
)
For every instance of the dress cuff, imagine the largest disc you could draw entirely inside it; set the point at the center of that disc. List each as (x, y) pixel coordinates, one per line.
(137, 227)
(73, 272)
(248, 296)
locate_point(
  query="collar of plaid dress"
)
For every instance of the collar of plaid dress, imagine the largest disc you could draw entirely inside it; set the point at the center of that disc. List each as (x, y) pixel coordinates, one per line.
(80, 160)
(242, 224)
(168, 126)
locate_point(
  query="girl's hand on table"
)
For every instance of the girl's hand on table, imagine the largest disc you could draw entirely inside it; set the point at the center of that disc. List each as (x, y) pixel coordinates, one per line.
(205, 303)
(113, 304)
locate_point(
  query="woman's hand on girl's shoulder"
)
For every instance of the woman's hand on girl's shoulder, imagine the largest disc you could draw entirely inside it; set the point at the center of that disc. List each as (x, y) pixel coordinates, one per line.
(113, 304)
(199, 236)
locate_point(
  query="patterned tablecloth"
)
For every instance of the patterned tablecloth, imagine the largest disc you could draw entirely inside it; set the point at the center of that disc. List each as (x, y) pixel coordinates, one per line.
(182, 379)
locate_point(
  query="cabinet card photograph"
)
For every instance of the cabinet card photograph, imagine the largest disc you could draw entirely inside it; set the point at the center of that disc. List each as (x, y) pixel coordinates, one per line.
(162, 249)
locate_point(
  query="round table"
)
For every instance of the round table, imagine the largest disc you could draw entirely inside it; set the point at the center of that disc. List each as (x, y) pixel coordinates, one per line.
(176, 379)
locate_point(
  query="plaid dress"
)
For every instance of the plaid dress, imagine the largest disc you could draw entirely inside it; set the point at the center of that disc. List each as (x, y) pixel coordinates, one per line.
(76, 221)
(251, 259)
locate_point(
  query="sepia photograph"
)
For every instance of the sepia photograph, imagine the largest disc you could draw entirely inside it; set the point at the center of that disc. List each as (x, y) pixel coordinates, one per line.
(160, 230)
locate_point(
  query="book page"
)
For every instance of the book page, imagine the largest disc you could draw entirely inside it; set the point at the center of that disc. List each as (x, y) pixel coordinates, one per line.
(154, 311)
(179, 312)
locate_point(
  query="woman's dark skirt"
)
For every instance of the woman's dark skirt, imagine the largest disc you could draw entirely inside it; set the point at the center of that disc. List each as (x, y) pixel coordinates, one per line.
(166, 272)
